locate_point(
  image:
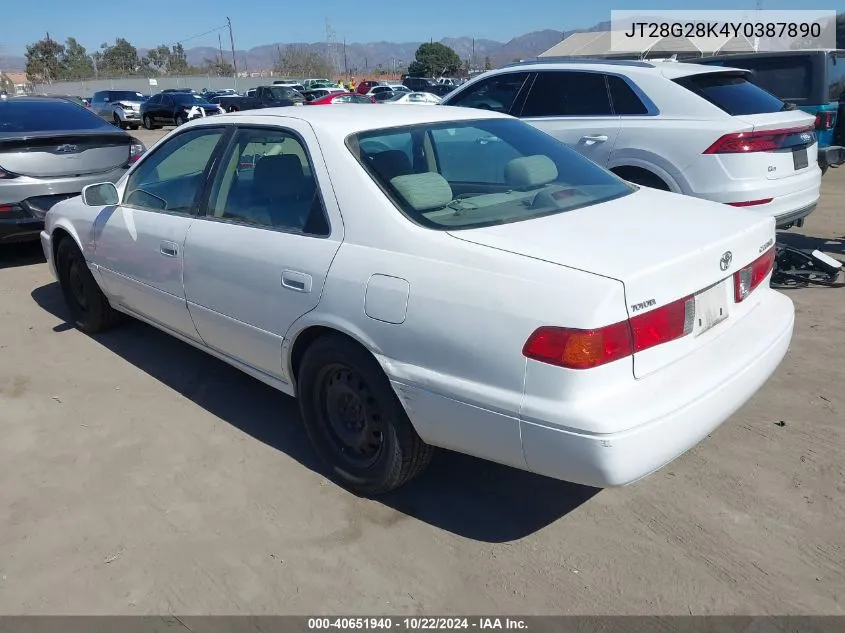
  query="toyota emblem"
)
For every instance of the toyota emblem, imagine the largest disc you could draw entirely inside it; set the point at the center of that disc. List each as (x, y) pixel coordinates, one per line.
(726, 260)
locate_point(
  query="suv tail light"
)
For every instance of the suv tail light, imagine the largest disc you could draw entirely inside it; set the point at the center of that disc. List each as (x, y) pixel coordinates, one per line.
(748, 142)
(582, 349)
(825, 120)
(136, 149)
(748, 278)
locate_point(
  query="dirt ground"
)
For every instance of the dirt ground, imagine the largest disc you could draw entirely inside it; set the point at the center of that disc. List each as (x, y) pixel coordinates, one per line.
(141, 476)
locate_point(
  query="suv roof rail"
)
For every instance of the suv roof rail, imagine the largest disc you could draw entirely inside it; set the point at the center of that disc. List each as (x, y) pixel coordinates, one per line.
(582, 60)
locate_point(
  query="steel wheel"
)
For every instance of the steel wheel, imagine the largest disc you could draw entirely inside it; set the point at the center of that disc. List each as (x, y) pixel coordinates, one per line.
(352, 419)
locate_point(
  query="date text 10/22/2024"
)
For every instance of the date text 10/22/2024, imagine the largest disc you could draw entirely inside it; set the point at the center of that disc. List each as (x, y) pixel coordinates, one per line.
(415, 623)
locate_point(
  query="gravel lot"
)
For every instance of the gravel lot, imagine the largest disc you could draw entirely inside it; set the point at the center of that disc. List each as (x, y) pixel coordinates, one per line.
(142, 476)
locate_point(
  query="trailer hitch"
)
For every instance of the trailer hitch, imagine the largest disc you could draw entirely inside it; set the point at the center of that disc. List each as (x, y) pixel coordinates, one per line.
(796, 268)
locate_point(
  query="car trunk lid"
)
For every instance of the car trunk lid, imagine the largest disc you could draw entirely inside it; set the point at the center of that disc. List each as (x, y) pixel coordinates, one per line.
(792, 131)
(662, 247)
(53, 155)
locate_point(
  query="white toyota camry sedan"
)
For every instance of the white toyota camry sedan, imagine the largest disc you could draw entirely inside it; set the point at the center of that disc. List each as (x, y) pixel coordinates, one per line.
(435, 277)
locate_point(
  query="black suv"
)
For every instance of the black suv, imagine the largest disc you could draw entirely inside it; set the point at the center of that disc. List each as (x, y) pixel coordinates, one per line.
(422, 84)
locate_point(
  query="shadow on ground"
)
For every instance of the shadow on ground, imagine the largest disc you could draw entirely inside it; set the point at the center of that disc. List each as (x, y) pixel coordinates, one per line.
(833, 246)
(21, 254)
(467, 496)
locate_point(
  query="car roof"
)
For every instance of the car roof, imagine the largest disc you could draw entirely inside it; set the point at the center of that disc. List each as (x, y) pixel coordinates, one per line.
(351, 118)
(668, 68)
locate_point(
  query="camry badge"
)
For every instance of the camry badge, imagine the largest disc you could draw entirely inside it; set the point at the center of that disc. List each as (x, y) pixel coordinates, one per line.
(725, 261)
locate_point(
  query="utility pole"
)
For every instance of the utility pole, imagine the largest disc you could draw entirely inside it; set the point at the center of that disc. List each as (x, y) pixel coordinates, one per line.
(234, 63)
(345, 60)
(472, 59)
(220, 48)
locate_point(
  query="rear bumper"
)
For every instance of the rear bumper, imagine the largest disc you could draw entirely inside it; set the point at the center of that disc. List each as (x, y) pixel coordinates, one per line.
(832, 156)
(689, 405)
(19, 229)
(22, 188)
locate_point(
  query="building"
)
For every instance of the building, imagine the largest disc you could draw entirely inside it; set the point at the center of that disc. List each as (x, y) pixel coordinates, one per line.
(20, 84)
(598, 45)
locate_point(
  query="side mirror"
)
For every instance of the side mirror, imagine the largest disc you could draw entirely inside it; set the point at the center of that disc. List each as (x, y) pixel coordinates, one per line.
(100, 195)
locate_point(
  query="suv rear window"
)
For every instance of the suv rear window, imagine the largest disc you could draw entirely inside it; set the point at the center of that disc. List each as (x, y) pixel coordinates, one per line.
(47, 115)
(732, 93)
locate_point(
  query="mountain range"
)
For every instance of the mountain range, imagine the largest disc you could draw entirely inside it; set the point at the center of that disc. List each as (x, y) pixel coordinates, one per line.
(362, 58)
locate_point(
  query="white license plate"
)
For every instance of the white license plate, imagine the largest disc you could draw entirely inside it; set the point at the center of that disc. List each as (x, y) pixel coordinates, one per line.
(711, 307)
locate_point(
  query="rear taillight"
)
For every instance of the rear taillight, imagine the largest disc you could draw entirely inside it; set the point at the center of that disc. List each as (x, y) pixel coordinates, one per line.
(136, 150)
(748, 278)
(7, 208)
(748, 142)
(825, 121)
(583, 349)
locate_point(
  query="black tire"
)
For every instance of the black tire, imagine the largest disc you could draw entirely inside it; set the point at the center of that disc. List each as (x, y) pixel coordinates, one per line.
(641, 177)
(181, 119)
(354, 419)
(88, 305)
(133, 127)
(117, 122)
(148, 122)
(233, 108)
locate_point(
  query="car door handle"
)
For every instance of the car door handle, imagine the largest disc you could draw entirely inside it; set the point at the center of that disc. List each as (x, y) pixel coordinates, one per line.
(601, 138)
(295, 280)
(169, 249)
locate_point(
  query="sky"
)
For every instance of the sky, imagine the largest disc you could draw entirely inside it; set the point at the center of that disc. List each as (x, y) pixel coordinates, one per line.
(257, 22)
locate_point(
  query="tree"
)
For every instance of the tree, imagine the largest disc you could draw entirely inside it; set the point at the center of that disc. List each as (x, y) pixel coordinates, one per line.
(177, 62)
(43, 61)
(300, 61)
(218, 67)
(120, 59)
(75, 63)
(157, 58)
(434, 60)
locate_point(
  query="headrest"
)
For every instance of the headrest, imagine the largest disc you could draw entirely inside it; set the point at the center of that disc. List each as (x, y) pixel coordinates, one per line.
(423, 192)
(391, 163)
(530, 171)
(278, 175)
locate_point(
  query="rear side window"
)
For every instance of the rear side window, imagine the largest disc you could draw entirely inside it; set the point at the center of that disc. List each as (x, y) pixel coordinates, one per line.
(624, 100)
(47, 115)
(836, 76)
(567, 93)
(732, 93)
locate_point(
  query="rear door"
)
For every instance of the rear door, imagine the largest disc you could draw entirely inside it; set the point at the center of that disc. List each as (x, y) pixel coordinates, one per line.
(575, 108)
(258, 258)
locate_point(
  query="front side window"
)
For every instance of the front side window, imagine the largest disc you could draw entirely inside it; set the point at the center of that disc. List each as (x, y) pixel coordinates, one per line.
(567, 93)
(496, 93)
(266, 179)
(171, 178)
(469, 174)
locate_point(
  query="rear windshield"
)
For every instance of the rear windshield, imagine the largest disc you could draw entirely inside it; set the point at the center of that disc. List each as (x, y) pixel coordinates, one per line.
(788, 77)
(126, 95)
(470, 174)
(186, 98)
(47, 115)
(732, 93)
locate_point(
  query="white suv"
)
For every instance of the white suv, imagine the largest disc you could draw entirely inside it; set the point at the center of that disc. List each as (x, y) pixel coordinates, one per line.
(697, 130)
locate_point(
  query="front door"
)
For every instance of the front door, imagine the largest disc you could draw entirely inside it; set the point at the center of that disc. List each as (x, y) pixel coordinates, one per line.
(139, 243)
(258, 258)
(575, 108)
